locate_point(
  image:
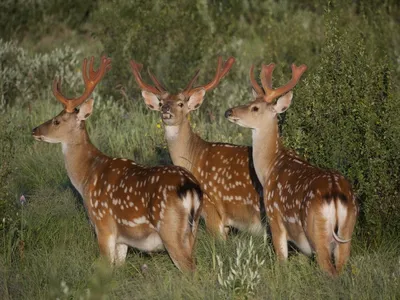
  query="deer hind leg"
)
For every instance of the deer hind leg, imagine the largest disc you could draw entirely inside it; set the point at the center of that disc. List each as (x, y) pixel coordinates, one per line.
(107, 245)
(195, 218)
(346, 225)
(177, 236)
(120, 254)
(321, 236)
(214, 219)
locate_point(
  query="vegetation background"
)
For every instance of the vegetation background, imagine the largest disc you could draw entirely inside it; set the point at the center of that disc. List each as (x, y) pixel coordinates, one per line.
(345, 116)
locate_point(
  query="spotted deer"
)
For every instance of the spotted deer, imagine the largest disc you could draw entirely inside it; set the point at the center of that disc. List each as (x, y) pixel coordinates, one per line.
(311, 207)
(225, 171)
(148, 208)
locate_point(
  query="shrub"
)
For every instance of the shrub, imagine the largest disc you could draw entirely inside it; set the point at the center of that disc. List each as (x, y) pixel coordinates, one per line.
(26, 78)
(344, 116)
(39, 17)
(243, 274)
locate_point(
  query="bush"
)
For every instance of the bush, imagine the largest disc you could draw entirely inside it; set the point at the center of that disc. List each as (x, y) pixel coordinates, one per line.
(39, 17)
(26, 78)
(345, 115)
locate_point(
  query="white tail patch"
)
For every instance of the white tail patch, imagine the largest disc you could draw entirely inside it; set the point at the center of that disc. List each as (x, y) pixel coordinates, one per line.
(341, 211)
(187, 201)
(328, 211)
(335, 216)
(196, 200)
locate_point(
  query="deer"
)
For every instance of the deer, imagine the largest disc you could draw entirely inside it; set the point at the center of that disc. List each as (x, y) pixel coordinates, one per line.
(128, 204)
(225, 171)
(311, 207)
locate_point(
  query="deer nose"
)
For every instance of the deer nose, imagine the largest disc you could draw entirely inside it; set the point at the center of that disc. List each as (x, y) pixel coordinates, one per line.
(34, 130)
(228, 113)
(165, 108)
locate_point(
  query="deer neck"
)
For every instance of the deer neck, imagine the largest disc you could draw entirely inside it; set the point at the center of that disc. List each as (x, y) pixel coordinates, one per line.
(80, 158)
(184, 145)
(266, 147)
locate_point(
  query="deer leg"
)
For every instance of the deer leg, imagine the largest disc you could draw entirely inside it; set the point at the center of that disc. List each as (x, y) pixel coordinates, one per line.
(342, 250)
(178, 238)
(214, 220)
(120, 254)
(107, 245)
(195, 226)
(279, 238)
(322, 238)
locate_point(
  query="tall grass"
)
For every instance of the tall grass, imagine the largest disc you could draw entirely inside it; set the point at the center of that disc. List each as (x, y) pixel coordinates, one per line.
(50, 251)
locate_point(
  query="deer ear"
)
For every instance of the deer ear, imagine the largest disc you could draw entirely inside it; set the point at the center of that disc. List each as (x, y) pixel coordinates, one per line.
(283, 103)
(85, 110)
(196, 99)
(151, 100)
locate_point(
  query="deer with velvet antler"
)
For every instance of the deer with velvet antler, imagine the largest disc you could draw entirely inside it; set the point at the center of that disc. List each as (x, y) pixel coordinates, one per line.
(232, 192)
(315, 209)
(149, 208)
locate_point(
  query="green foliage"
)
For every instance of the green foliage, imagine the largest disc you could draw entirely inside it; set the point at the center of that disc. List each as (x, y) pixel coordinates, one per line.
(243, 274)
(26, 79)
(169, 36)
(38, 17)
(343, 117)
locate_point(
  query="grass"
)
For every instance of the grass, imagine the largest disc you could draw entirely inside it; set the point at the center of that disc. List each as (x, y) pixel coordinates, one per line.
(59, 257)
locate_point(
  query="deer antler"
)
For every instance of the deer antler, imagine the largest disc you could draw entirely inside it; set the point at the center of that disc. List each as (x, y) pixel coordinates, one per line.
(91, 80)
(136, 68)
(269, 93)
(192, 81)
(219, 74)
(156, 82)
(254, 83)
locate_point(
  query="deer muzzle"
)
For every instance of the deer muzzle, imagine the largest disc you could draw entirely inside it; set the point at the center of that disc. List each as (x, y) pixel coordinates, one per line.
(166, 112)
(230, 115)
(36, 134)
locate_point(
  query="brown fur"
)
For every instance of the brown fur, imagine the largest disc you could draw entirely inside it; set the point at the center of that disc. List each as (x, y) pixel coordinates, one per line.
(128, 204)
(304, 204)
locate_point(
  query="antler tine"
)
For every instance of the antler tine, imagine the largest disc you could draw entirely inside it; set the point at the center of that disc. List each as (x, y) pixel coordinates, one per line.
(296, 74)
(92, 73)
(227, 66)
(254, 83)
(104, 67)
(191, 82)
(90, 83)
(156, 82)
(218, 75)
(215, 81)
(266, 77)
(136, 67)
(57, 91)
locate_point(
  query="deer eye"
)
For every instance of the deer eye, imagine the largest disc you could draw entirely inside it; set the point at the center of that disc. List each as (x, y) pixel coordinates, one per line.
(180, 104)
(56, 122)
(254, 108)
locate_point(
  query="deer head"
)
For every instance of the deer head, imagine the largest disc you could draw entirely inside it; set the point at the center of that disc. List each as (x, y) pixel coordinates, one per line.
(175, 107)
(260, 112)
(70, 122)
